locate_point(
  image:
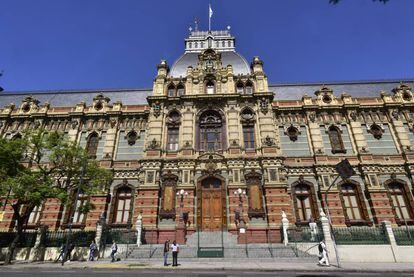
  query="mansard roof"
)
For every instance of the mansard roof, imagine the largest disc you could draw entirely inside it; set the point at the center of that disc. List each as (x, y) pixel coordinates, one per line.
(66, 98)
(69, 98)
(357, 89)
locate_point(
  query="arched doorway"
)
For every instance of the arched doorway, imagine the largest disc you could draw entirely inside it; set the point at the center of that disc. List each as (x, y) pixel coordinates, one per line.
(211, 210)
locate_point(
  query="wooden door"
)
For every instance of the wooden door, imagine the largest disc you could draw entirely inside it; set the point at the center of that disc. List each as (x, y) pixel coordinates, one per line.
(211, 207)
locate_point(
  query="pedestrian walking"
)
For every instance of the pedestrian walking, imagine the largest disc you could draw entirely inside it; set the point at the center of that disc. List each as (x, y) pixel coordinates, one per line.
(114, 250)
(323, 254)
(62, 251)
(69, 253)
(175, 249)
(166, 251)
(92, 249)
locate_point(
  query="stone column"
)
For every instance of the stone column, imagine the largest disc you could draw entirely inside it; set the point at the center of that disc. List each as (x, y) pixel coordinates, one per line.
(285, 226)
(330, 244)
(391, 238)
(37, 253)
(138, 225)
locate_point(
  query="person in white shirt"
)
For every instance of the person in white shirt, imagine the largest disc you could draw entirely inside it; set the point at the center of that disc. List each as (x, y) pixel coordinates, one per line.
(323, 254)
(114, 249)
(175, 249)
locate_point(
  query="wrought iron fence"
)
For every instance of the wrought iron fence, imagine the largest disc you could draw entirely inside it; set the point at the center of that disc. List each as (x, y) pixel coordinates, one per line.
(27, 239)
(305, 234)
(404, 236)
(360, 235)
(78, 238)
(120, 236)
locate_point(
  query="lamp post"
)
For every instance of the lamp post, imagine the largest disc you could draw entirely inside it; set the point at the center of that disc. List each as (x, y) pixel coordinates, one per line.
(240, 193)
(182, 193)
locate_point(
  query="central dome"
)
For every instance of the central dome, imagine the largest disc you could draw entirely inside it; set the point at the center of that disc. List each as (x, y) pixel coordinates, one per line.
(219, 41)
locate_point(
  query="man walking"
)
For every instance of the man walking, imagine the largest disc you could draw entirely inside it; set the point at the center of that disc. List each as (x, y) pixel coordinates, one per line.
(323, 254)
(175, 249)
(92, 249)
(166, 250)
(114, 249)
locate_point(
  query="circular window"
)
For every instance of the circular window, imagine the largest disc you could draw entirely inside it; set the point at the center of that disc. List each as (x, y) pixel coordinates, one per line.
(407, 96)
(98, 106)
(327, 99)
(26, 108)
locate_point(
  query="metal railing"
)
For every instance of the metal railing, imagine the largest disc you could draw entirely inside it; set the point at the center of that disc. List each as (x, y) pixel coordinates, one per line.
(360, 235)
(78, 238)
(27, 239)
(305, 234)
(404, 236)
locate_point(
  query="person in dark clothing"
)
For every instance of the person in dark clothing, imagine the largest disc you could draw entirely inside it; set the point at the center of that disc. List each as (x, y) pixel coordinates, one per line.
(166, 251)
(175, 249)
(69, 254)
(62, 250)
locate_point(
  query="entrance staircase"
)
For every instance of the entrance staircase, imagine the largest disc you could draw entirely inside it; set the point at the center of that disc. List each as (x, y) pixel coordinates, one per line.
(232, 250)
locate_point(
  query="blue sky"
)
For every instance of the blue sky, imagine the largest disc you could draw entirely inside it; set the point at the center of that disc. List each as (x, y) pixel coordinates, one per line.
(92, 44)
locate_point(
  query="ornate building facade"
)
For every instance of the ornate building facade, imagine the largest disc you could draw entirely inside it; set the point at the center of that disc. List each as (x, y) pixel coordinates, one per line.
(215, 146)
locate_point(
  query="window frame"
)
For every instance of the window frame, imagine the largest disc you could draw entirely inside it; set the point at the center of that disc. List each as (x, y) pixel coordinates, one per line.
(118, 198)
(92, 145)
(312, 202)
(335, 148)
(397, 210)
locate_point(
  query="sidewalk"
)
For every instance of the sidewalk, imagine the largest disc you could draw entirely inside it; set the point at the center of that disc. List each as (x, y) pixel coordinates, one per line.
(218, 264)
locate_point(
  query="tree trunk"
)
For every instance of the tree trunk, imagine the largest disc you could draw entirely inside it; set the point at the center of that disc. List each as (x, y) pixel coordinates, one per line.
(13, 245)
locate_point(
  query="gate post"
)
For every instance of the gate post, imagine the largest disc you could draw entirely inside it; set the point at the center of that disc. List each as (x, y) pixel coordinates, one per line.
(330, 244)
(139, 229)
(285, 226)
(100, 225)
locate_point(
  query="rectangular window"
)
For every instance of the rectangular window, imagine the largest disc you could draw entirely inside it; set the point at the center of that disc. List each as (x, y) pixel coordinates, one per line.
(272, 174)
(34, 215)
(236, 175)
(373, 180)
(172, 139)
(248, 135)
(326, 180)
(150, 177)
(78, 216)
(186, 178)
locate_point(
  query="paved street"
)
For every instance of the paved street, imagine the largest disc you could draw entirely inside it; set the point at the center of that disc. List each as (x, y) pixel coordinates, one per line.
(205, 267)
(178, 272)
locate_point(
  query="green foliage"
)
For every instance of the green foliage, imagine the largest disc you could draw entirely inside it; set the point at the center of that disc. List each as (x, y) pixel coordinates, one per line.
(43, 165)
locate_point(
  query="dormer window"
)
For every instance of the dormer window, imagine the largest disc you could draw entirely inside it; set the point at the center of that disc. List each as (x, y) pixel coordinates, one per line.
(210, 87)
(180, 90)
(171, 90)
(239, 87)
(249, 88)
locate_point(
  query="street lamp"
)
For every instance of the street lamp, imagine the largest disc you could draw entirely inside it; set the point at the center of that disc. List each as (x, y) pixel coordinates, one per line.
(181, 194)
(240, 193)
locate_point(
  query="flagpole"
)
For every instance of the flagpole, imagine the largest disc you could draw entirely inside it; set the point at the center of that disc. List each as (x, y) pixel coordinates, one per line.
(209, 17)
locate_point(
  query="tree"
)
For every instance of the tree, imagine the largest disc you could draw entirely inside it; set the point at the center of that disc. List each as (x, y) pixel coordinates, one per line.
(42, 165)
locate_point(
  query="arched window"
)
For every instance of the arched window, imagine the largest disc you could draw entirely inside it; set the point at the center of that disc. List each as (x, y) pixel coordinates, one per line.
(248, 120)
(122, 205)
(180, 90)
(92, 145)
(335, 138)
(400, 203)
(211, 131)
(351, 203)
(173, 124)
(239, 87)
(304, 203)
(171, 90)
(210, 88)
(249, 87)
